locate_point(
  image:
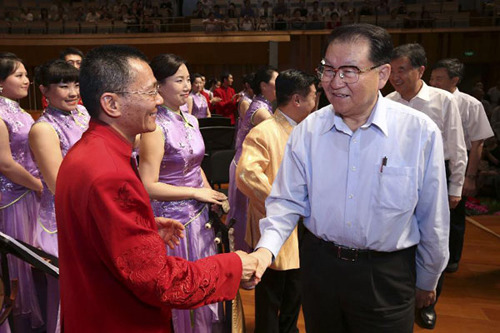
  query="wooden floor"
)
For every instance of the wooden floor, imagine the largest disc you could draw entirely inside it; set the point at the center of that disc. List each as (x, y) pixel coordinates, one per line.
(470, 301)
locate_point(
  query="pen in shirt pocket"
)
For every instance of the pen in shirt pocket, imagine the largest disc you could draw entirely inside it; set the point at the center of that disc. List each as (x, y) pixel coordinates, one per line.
(383, 164)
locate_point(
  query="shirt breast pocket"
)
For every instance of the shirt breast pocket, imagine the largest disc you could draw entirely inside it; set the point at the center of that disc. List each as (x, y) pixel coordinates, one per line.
(395, 188)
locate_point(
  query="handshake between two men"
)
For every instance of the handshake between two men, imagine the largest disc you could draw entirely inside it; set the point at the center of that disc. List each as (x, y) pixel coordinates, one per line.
(253, 265)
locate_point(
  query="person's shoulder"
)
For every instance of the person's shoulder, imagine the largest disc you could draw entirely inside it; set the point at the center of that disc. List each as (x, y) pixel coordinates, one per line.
(392, 96)
(402, 113)
(440, 94)
(470, 99)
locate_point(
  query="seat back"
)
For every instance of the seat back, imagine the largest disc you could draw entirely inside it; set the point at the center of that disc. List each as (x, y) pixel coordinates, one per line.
(217, 137)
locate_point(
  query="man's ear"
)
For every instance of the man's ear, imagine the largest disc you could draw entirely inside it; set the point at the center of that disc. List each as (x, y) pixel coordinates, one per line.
(421, 71)
(384, 71)
(110, 104)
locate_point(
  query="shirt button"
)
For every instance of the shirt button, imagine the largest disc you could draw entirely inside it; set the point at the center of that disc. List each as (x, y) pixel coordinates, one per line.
(351, 196)
(348, 224)
(354, 141)
(353, 168)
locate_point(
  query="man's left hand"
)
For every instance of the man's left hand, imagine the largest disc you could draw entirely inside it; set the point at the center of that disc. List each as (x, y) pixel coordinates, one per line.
(453, 200)
(424, 298)
(170, 230)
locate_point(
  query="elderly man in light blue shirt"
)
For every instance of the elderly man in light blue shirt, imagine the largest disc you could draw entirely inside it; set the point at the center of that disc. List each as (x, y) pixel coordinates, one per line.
(368, 176)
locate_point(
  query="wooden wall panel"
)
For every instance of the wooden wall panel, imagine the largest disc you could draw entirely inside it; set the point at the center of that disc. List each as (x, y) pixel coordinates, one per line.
(241, 53)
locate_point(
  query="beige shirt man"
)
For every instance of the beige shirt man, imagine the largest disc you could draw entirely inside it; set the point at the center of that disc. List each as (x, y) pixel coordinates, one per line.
(263, 150)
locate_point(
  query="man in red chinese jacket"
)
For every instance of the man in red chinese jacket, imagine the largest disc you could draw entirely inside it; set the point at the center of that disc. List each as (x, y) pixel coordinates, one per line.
(115, 275)
(228, 104)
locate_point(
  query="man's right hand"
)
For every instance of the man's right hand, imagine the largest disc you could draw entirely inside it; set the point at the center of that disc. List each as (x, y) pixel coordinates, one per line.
(249, 265)
(265, 258)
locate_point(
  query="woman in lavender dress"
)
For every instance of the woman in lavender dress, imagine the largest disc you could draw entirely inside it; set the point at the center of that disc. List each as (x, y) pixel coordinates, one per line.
(259, 110)
(170, 159)
(198, 104)
(19, 185)
(53, 134)
(246, 98)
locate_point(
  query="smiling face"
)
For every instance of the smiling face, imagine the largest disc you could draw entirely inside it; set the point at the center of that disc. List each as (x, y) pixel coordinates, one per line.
(354, 100)
(197, 85)
(175, 89)
(138, 109)
(62, 96)
(405, 78)
(440, 79)
(16, 85)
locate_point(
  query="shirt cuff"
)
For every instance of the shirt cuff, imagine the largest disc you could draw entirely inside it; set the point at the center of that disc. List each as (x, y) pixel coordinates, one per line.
(426, 280)
(455, 190)
(268, 240)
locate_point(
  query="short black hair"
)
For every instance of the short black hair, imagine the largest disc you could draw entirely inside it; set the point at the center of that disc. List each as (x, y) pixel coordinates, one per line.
(55, 71)
(263, 74)
(9, 63)
(290, 82)
(195, 76)
(453, 67)
(248, 78)
(224, 76)
(106, 69)
(166, 65)
(414, 52)
(379, 39)
(70, 50)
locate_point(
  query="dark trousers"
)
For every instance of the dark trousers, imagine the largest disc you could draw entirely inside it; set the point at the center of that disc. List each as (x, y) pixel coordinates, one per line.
(375, 293)
(277, 302)
(457, 231)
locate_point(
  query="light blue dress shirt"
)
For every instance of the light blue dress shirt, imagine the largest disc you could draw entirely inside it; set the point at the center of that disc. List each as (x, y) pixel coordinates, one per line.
(336, 180)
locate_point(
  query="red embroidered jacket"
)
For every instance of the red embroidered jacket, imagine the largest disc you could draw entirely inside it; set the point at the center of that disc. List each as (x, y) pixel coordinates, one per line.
(115, 275)
(226, 107)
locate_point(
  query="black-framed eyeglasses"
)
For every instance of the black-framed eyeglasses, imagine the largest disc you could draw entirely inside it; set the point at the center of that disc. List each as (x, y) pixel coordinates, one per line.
(348, 74)
(152, 93)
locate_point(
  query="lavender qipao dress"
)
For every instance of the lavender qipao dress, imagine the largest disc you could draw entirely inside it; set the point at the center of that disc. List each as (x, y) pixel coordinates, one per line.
(238, 202)
(180, 166)
(19, 209)
(69, 127)
(200, 106)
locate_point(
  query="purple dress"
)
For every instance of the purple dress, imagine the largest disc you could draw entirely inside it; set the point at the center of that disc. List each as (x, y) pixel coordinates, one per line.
(18, 211)
(200, 106)
(180, 166)
(69, 127)
(244, 98)
(238, 202)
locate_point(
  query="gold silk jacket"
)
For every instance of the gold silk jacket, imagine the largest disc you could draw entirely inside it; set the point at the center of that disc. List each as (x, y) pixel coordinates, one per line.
(260, 160)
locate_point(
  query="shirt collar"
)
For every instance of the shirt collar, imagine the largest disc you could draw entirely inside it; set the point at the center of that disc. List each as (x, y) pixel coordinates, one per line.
(378, 117)
(290, 120)
(424, 92)
(111, 135)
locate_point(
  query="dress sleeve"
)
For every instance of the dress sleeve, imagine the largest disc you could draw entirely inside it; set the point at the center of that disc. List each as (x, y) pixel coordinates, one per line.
(127, 242)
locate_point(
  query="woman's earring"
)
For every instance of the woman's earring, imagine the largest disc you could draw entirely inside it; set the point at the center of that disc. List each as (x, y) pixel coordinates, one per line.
(1, 89)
